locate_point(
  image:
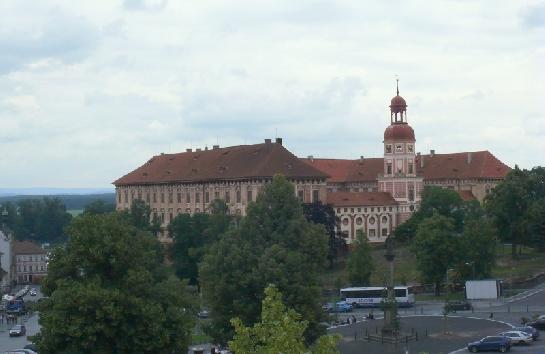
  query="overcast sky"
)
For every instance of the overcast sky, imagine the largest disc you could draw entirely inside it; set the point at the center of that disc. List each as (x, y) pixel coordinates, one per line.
(89, 90)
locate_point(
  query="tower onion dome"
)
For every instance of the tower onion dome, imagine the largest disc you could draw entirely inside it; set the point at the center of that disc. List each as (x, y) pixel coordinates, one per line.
(398, 104)
(399, 131)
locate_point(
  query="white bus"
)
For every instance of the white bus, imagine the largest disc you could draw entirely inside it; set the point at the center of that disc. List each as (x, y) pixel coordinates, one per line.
(372, 296)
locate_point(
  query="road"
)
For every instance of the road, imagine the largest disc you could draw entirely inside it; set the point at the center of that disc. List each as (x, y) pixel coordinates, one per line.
(32, 327)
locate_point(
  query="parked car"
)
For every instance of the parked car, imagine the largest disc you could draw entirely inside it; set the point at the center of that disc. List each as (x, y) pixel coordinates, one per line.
(499, 343)
(528, 329)
(458, 306)
(538, 324)
(33, 292)
(203, 314)
(327, 307)
(343, 306)
(518, 337)
(17, 330)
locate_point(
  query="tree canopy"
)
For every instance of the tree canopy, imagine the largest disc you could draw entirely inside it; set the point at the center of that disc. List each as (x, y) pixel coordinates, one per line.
(193, 235)
(273, 244)
(517, 206)
(360, 262)
(108, 292)
(280, 331)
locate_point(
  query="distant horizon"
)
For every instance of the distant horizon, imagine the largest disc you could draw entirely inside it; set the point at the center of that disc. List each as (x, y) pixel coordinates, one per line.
(9, 192)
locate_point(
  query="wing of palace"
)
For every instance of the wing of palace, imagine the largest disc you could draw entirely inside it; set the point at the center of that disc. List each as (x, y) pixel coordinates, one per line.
(370, 194)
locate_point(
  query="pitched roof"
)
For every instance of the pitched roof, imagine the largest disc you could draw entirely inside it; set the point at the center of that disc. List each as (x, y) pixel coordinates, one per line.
(229, 163)
(360, 198)
(27, 247)
(466, 195)
(478, 164)
(340, 170)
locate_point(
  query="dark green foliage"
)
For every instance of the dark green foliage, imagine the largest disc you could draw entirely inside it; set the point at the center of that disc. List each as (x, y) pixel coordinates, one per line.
(109, 293)
(70, 201)
(99, 206)
(39, 220)
(437, 248)
(193, 235)
(515, 205)
(477, 249)
(324, 214)
(273, 244)
(360, 263)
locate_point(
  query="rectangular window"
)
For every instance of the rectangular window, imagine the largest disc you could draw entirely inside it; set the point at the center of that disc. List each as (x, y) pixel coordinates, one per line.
(249, 196)
(154, 197)
(139, 195)
(188, 197)
(399, 165)
(315, 195)
(372, 233)
(216, 195)
(170, 217)
(206, 197)
(300, 195)
(411, 167)
(384, 232)
(162, 217)
(179, 197)
(227, 197)
(239, 197)
(389, 168)
(147, 197)
(132, 196)
(170, 199)
(126, 197)
(119, 198)
(162, 197)
(197, 197)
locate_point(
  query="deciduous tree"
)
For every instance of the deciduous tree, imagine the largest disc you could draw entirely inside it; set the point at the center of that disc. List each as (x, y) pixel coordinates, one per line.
(108, 292)
(360, 263)
(280, 331)
(273, 244)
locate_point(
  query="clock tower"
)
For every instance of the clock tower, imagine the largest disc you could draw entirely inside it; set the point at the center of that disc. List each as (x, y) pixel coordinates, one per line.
(399, 176)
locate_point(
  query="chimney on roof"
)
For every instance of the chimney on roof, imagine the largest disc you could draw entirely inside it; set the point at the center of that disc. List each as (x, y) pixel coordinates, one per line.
(188, 150)
(267, 141)
(361, 159)
(206, 148)
(279, 141)
(421, 157)
(432, 153)
(469, 157)
(162, 153)
(198, 150)
(311, 158)
(215, 147)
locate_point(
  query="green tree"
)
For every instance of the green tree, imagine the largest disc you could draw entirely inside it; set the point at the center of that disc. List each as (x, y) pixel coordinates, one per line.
(509, 203)
(42, 220)
(109, 293)
(192, 235)
(435, 200)
(280, 331)
(437, 248)
(324, 214)
(360, 263)
(478, 245)
(273, 244)
(98, 206)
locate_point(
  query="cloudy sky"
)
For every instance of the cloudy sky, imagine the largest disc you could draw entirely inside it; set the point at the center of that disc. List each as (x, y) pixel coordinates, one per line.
(89, 90)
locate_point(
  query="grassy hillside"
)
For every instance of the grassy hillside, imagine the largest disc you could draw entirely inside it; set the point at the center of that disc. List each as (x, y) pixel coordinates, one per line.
(529, 263)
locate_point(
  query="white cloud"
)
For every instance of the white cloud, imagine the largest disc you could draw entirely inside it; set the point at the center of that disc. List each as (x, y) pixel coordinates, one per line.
(90, 90)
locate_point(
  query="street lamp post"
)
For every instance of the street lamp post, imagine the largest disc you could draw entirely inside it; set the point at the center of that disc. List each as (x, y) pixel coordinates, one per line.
(472, 263)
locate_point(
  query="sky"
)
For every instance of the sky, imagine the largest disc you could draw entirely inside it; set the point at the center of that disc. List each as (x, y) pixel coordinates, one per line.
(90, 90)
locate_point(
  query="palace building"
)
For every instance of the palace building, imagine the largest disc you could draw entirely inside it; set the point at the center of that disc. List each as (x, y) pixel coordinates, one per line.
(369, 194)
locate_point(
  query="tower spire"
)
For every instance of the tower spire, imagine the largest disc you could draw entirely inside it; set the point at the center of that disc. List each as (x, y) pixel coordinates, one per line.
(397, 85)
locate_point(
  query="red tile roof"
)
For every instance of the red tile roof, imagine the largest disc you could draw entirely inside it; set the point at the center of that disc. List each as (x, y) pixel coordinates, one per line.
(360, 198)
(26, 247)
(466, 195)
(480, 164)
(348, 170)
(235, 162)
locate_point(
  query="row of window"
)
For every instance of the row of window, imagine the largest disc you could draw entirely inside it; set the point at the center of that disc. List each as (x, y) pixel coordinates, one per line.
(226, 196)
(388, 148)
(352, 210)
(30, 268)
(399, 164)
(34, 258)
